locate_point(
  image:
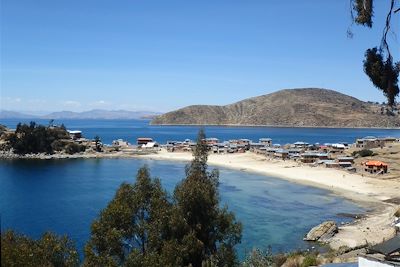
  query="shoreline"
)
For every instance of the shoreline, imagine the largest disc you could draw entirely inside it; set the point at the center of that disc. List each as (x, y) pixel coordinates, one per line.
(275, 126)
(370, 193)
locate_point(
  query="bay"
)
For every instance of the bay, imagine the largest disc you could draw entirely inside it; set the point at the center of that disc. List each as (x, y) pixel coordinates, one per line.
(65, 196)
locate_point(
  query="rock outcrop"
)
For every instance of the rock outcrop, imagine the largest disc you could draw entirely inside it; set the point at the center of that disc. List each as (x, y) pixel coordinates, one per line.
(322, 232)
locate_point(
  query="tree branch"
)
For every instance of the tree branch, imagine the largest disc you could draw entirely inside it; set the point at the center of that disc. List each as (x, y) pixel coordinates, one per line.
(384, 43)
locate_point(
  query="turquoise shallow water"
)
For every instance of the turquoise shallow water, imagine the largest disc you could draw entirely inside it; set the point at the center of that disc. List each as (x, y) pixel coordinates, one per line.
(64, 196)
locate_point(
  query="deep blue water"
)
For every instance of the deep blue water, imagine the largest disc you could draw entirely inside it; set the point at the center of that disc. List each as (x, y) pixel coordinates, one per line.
(65, 196)
(130, 130)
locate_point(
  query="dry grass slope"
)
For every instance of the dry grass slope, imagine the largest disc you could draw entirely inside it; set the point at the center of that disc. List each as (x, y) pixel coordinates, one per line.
(307, 107)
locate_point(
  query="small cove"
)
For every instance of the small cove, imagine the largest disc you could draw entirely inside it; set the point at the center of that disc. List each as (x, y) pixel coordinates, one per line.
(65, 196)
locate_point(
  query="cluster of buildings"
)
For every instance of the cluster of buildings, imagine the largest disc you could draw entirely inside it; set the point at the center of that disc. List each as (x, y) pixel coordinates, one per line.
(328, 155)
(369, 142)
(142, 143)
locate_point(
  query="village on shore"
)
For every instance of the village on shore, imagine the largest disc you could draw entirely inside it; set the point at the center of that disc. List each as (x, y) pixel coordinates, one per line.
(357, 157)
(370, 157)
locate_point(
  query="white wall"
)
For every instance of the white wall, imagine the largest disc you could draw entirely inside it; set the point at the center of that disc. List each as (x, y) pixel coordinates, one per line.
(364, 262)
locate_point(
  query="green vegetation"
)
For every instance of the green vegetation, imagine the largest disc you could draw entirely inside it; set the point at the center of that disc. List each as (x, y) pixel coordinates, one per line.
(363, 153)
(378, 62)
(72, 148)
(258, 258)
(144, 226)
(50, 250)
(310, 260)
(34, 138)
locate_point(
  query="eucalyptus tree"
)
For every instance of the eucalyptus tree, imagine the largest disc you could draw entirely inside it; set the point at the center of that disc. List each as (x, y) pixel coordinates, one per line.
(379, 64)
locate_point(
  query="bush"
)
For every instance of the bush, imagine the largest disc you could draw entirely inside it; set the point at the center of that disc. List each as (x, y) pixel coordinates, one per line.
(58, 145)
(34, 138)
(310, 260)
(50, 250)
(363, 153)
(258, 258)
(73, 148)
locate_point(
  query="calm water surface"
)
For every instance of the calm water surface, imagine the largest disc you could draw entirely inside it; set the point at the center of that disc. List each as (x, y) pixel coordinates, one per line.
(65, 196)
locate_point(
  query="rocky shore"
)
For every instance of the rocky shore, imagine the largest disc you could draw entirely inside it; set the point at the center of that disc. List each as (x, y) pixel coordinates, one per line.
(83, 155)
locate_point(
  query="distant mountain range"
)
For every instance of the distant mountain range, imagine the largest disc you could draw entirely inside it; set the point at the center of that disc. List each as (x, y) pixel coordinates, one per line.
(91, 114)
(305, 107)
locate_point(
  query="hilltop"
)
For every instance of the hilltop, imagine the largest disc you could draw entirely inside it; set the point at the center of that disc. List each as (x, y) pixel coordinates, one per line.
(305, 107)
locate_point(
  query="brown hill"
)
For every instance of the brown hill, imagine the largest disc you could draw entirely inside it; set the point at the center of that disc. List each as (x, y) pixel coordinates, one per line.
(290, 107)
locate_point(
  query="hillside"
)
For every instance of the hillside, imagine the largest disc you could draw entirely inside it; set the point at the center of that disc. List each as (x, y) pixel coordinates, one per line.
(8, 114)
(311, 107)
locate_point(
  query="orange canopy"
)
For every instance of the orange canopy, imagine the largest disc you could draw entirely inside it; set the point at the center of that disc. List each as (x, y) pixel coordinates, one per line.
(375, 163)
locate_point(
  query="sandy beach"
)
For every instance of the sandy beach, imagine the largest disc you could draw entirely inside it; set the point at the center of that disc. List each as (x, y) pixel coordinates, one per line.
(369, 192)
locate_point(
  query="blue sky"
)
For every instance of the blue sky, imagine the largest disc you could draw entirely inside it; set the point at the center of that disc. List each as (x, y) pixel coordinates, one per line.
(162, 55)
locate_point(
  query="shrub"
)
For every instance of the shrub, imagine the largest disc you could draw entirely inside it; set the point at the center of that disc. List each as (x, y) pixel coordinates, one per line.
(35, 138)
(310, 260)
(259, 258)
(73, 148)
(49, 250)
(363, 153)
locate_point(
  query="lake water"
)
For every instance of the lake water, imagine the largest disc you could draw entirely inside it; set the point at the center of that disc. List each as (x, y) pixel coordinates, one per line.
(130, 130)
(65, 196)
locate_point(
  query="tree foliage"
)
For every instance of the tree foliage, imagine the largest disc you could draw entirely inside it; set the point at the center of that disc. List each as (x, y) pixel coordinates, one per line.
(212, 230)
(144, 226)
(132, 227)
(364, 11)
(50, 250)
(34, 138)
(383, 73)
(378, 63)
(259, 258)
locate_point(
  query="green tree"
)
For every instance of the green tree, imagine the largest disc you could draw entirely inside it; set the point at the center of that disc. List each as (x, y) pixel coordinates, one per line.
(208, 229)
(34, 138)
(131, 230)
(143, 226)
(50, 250)
(379, 65)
